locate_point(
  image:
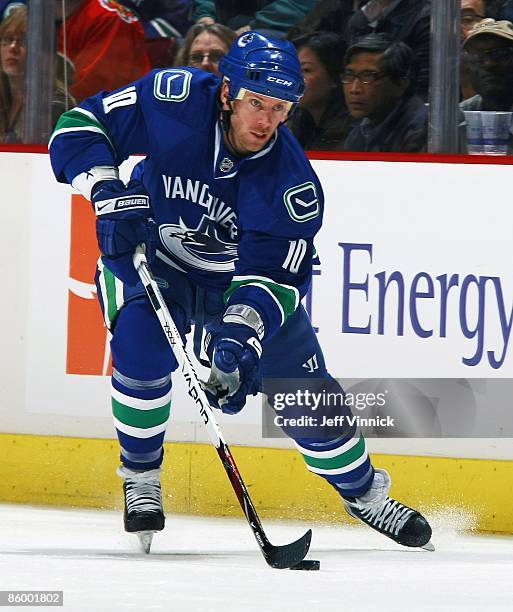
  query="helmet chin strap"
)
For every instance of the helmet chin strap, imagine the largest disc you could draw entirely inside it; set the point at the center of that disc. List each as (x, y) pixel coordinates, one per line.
(226, 116)
(226, 120)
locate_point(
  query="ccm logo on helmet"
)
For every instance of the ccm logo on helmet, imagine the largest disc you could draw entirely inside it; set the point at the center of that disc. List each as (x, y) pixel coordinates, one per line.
(278, 81)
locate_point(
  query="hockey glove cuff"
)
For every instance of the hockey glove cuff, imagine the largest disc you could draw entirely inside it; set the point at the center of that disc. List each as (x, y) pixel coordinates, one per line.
(123, 221)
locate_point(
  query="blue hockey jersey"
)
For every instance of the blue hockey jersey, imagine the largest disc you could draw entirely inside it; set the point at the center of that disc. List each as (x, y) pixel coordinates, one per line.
(244, 225)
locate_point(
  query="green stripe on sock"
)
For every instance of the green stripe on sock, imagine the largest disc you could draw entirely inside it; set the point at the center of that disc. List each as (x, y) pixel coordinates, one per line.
(144, 419)
(333, 463)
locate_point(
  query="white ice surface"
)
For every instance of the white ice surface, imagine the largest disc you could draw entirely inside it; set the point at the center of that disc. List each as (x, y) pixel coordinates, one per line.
(213, 565)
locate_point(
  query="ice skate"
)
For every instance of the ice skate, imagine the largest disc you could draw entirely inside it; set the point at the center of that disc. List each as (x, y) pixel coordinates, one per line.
(144, 515)
(388, 516)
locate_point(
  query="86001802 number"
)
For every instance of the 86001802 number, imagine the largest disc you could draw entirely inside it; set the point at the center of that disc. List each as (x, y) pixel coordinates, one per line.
(31, 598)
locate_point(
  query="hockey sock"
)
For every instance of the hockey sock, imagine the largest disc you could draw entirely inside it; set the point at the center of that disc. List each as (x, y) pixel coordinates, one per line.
(141, 411)
(344, 462)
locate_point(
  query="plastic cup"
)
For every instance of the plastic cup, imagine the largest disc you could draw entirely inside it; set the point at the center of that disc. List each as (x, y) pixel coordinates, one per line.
(496, 130)
(488, 132)
(475, 144)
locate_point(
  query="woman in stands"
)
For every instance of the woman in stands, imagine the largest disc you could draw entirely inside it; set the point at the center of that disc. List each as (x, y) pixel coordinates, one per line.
(13, 60)
(204, 45)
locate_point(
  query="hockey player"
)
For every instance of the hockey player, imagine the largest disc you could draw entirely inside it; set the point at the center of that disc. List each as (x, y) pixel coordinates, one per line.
(227, 205)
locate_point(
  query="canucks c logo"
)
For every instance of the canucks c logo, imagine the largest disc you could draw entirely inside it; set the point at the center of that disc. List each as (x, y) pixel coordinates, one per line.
(200, 248)
(302, 202)
(172, 85)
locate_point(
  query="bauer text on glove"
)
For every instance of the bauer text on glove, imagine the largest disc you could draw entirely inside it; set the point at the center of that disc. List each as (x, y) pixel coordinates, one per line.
(123, 221)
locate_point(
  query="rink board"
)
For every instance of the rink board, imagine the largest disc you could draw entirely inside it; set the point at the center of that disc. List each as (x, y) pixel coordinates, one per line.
(61, 471)
(417, 222)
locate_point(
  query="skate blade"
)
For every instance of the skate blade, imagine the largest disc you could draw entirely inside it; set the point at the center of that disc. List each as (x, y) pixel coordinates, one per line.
(145, 540)
(429, 546)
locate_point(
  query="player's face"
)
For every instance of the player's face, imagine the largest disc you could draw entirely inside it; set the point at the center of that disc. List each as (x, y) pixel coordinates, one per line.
(254, 120)
(13, 51)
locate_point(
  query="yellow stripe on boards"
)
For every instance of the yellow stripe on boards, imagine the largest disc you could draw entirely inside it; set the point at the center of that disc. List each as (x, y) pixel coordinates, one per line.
(62, 471)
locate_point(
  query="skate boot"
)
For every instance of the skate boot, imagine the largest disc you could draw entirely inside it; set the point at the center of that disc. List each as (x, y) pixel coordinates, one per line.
(386, 515)
(144, 515)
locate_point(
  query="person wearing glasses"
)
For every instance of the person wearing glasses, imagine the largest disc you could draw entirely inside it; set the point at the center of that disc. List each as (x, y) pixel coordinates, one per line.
(13, 60)
(13, 56)
(378, 82)
(489, 47)
(404, 20)
(204, 46)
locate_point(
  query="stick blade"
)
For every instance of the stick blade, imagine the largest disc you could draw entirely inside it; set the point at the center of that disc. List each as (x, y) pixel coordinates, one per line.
(288, 555)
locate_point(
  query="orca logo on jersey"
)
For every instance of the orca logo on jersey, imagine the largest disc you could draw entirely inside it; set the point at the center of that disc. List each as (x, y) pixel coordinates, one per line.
(172, 85)
(302, 202)
(201, 248)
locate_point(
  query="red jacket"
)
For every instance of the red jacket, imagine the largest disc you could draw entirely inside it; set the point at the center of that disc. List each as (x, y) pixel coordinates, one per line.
(105, 44)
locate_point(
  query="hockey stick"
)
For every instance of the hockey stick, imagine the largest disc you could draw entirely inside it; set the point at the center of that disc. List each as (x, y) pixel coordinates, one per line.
(279, 557)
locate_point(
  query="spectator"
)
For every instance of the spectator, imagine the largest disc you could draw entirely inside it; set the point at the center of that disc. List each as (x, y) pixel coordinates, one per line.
(105, 43)
(204, 45)
(321, 121)
(270, 17)
(378, 83)
(13, 54)
(490, 49)
(13, 59)
(405, 20)
(472, 12)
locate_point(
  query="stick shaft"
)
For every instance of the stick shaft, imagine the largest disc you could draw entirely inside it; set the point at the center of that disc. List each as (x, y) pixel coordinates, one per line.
(197, 394)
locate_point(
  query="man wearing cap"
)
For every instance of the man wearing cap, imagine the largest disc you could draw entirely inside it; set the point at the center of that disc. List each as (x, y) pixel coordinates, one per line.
(489, 46)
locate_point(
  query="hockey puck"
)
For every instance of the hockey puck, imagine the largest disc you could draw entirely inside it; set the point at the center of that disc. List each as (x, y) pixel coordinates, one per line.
(308, 564)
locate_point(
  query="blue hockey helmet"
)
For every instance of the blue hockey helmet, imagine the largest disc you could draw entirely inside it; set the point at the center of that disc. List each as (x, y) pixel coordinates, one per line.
(263, 65)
